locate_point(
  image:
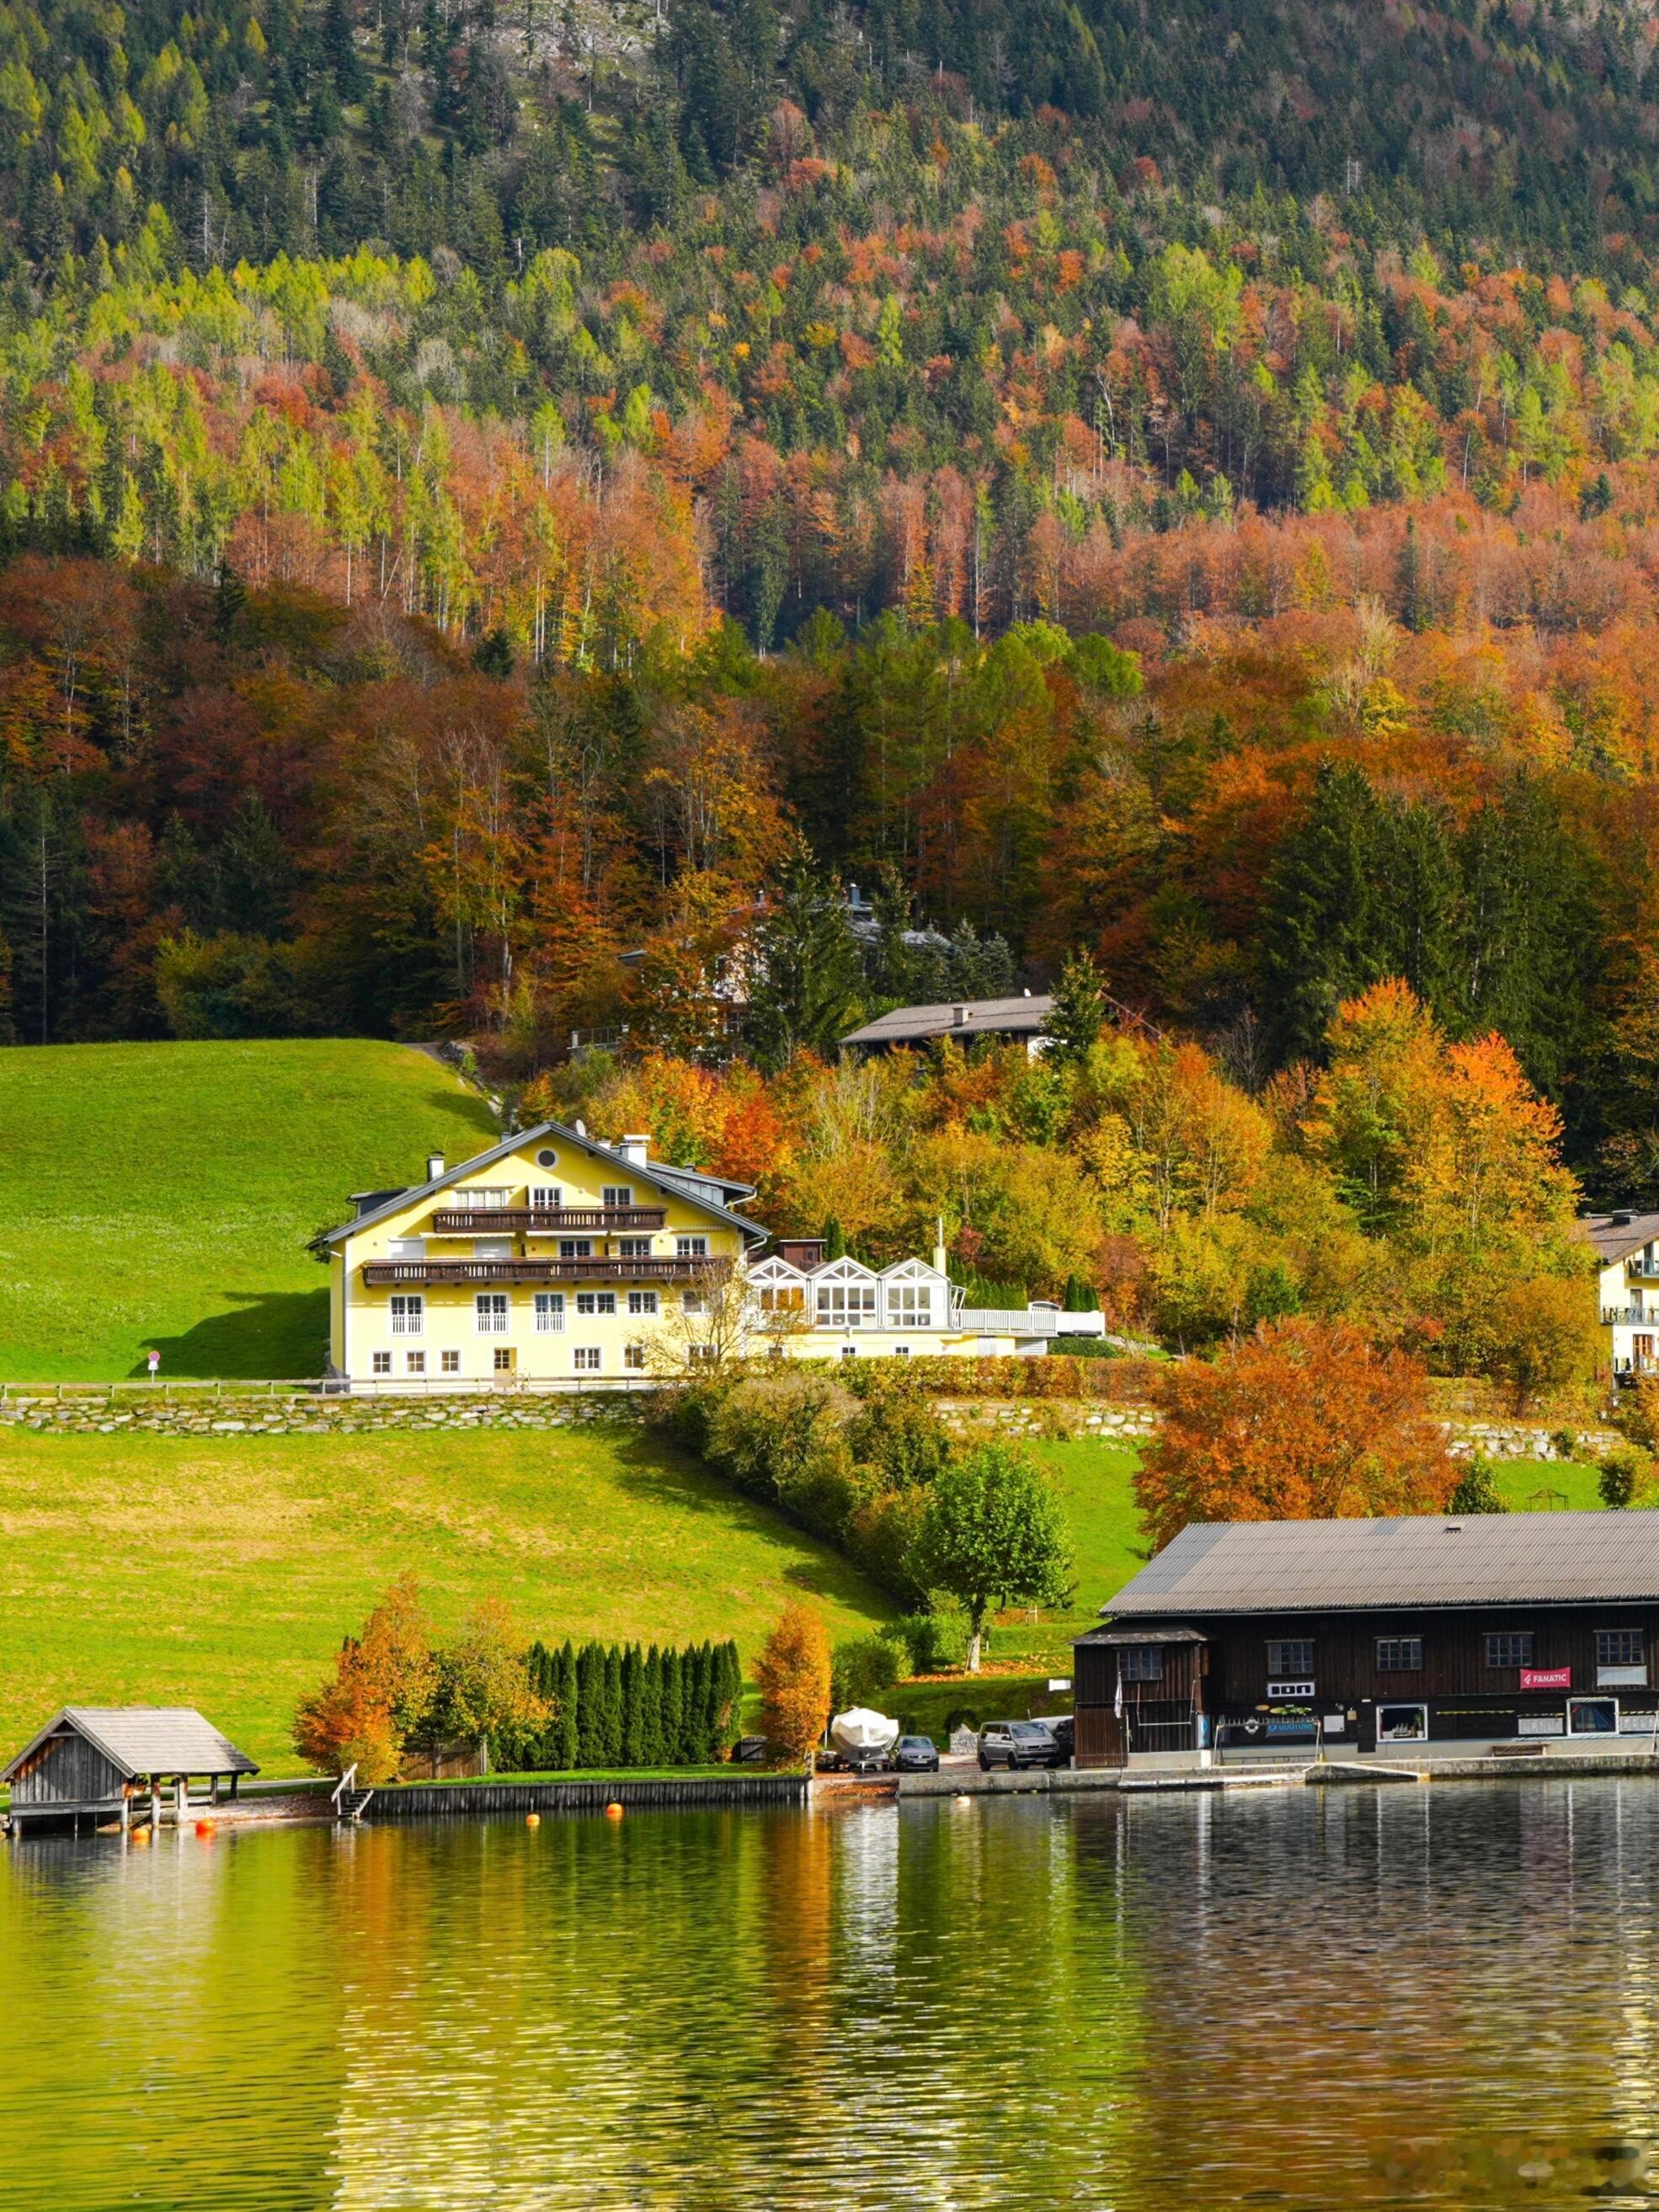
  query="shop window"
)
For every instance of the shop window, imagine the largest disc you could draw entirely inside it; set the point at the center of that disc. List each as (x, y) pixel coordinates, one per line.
(1402, 1724)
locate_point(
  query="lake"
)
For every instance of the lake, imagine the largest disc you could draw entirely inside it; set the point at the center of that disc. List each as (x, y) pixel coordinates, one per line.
(1347, 1996)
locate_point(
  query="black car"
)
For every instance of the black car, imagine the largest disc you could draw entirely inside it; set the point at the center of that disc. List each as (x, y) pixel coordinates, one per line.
(916, 1754)
(1018, 1744)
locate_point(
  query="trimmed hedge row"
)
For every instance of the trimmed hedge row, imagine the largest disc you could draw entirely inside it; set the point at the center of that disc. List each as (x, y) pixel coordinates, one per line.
(623, 1705)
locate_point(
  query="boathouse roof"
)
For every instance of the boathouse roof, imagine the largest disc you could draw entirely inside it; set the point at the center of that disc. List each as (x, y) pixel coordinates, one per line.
(1323, 1567)
(144, 1739)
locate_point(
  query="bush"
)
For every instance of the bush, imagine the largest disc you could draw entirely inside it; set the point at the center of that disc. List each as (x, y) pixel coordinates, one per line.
(866, 1668)
(1623, 1470)
(1477, 1489)
(935, 1641)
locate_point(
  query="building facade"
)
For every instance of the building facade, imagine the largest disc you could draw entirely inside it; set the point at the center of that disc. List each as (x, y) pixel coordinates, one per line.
(1510, 1634)
(554, 1258)
(1627, 1247)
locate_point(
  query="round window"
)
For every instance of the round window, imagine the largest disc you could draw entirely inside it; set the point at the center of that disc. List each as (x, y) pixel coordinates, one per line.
(545, 1159)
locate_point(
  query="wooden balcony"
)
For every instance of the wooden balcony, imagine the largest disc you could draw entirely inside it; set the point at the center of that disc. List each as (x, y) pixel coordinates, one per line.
(547, 1221)
(414, 1274)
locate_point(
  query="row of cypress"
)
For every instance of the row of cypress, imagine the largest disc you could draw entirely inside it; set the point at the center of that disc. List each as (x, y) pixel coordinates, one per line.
(617, 1706)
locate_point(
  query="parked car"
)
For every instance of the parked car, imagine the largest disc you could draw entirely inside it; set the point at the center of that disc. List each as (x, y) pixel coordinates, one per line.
(1062, 1728)
(916, 1754)
(1017, 1744)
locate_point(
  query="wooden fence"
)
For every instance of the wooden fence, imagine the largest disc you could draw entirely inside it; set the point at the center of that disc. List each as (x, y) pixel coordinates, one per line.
(470, 1799)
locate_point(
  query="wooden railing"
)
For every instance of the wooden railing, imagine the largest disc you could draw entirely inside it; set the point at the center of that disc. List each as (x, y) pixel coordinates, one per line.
(378, 1273)
(543, 1221)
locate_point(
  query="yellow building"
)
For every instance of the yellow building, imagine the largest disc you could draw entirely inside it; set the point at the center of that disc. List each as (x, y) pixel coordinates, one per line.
(553, 1258)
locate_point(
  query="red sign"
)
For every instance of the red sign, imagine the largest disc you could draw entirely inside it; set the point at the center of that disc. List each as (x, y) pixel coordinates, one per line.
(1546, 1678)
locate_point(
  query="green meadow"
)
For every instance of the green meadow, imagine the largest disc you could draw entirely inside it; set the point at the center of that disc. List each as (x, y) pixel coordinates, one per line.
(163, 1195)
(222, 1572)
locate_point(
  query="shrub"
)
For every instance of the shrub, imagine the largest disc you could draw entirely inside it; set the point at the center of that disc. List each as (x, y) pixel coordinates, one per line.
(1477, 1490)
(865, 1668)
(1623, 1470)
(933, 1640)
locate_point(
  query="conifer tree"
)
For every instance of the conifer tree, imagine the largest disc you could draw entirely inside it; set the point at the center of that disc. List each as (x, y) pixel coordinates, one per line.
(807, 990)
(694, 1704)
(632, 1755)
(590, 1706)
(564, 1735)
(671, 1706)
(611, 1732)
(651, 1752)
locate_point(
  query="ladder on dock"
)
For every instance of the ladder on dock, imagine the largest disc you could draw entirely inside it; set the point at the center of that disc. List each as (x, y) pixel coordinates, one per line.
(350, 1802)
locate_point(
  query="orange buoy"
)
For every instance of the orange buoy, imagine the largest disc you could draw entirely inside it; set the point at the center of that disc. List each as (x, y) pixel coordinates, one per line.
(532, 1820)
(206, 1827)
(141, 1835)
(613, 1811)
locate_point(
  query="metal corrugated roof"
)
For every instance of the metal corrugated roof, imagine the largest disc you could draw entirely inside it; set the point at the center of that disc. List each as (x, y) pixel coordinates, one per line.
(979, 1017)
(1497, 1558)
(148, 1740)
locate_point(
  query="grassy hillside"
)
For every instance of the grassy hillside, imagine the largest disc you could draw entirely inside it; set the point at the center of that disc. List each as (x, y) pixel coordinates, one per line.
(222, 1574)
(162, 1194)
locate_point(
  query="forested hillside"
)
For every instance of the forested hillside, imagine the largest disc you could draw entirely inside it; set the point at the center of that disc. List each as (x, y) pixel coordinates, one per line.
(489, 491)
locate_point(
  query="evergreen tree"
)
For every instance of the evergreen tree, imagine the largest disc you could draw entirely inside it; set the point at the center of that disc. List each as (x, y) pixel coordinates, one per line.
(651, 1710)
(590, 1706)
(632, 1755)
(1078, 1013)
(834, 1240)
(805, 995)
(565, 1735)
(1321, 924)
(610, 1726)
(672, 1708)
(694, 1704)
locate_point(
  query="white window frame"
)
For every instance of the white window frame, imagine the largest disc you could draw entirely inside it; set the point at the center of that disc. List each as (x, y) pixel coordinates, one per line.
(616, 1194)
(587, 1359)
(544, 1198)
(415, 1363)
(690, 1248)
(846, 1305)
(1419, 1706)
(642, 1302)
(550, 1313)
(596, 1301)
(634, 1358)
(634, 1248)
(380, 1363)
(449, 1362)
(901, 1351)
(504, 1360)
(1593, 1734)
(691, 1302)
(575, 1248)
(408, 1314)
(492, 1313)
(910, 1305)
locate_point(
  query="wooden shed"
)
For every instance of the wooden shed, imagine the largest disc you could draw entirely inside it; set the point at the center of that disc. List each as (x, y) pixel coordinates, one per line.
(91, 1763)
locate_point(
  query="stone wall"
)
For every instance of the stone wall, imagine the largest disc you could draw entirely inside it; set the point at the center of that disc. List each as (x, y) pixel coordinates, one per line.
(227, 1412)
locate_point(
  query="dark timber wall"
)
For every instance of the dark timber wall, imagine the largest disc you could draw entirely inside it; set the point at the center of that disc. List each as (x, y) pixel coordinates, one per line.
(468, 1800)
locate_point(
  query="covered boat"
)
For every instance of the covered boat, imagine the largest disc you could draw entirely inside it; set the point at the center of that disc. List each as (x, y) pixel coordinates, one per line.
(863, 1738)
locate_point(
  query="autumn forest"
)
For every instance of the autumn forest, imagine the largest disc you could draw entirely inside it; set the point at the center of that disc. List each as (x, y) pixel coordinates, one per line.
(509, 510)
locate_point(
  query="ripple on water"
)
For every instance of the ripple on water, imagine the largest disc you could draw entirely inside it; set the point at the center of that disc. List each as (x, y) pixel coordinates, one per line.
(1315, 1998)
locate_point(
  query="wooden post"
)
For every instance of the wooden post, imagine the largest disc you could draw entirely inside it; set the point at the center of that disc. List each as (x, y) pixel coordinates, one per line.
(234, 1781)
(154, 1806)
(213, 1785)
(181, 1799)
(126, 1808)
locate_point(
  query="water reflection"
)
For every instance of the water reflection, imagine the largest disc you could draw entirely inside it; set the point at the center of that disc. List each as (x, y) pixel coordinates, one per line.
(1349, 1996)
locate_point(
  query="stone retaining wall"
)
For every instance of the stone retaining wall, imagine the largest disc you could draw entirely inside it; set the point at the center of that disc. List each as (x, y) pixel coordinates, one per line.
(231, 1412)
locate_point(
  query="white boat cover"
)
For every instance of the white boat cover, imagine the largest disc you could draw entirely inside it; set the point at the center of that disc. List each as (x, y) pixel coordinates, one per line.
(859, 1732)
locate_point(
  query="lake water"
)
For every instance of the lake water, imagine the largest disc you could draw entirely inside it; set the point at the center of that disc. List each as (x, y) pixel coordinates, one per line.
(1349, 1996)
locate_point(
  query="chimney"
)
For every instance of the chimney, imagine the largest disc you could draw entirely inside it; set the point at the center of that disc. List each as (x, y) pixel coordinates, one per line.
(434, 1166)
(941, 1257)
(959, 1017)
(636, 1150)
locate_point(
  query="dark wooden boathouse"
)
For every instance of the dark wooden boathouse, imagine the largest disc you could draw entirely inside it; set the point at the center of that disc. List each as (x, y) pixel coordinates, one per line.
(1501, 1632)
(93, 1764)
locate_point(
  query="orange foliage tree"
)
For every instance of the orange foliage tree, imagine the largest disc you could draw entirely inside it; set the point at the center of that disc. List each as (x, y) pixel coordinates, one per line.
(1302, 1421)
(794, 1674)
(382, 1683)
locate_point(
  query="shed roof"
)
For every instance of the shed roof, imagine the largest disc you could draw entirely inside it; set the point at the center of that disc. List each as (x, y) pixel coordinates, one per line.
(146, 1739)
(1323, 1567)
(964, 1018)
(1615, 1235)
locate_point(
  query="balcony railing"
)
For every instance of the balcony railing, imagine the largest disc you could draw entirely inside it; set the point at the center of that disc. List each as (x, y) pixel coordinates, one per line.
(543, 1221)
(378, 1274)
(1629, 1318)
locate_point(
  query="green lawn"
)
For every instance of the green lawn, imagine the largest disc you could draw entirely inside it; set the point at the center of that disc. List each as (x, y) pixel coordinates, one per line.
(222, 1572)
(163, 1194)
